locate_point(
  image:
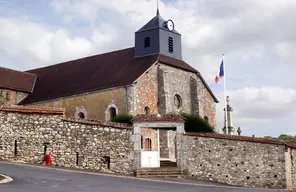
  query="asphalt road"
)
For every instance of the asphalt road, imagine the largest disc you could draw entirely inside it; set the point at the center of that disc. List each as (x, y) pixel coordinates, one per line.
(36, 179)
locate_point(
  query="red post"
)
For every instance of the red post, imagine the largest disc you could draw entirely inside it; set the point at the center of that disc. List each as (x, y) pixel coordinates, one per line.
(48, 158)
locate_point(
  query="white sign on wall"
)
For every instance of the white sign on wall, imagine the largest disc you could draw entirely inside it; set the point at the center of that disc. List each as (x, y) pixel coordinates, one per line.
(150, 159)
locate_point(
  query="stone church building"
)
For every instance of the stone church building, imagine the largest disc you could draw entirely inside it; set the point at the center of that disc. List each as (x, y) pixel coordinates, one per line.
(149, 78)
(66, 108)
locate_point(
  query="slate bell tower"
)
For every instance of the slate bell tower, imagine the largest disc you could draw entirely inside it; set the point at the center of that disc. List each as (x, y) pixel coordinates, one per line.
(158, 36)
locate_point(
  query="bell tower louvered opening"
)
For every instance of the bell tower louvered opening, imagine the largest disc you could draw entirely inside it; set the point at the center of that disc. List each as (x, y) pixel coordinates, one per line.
(147, 42)
(171, 44)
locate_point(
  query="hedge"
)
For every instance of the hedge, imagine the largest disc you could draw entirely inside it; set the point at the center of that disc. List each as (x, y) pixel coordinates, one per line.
(194, 123)
(122, 118)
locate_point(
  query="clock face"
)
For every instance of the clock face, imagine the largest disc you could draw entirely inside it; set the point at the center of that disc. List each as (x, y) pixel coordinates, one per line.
(170, 25)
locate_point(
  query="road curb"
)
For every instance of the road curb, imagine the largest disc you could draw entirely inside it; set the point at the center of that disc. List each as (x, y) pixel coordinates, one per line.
(6, 179)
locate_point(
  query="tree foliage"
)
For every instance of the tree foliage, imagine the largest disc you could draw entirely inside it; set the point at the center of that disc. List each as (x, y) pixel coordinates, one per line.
(194, 123)
(283, 137)
(122, 118)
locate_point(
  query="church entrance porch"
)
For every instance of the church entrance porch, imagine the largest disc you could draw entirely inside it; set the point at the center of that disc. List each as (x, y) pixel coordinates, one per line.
(158, 141)
(158, 147)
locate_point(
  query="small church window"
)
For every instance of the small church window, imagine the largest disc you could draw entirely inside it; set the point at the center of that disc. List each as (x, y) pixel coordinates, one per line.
(147, 110)
(206, 119)
(171, 45)
(112, 111)
(81, 115)
(147, 42)
(7, 96)
(177, 101)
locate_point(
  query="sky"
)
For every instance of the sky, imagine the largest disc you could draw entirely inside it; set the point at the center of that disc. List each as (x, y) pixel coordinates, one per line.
(258, 39)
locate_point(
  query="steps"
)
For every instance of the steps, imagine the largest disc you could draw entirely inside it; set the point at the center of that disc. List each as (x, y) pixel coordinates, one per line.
(168, 164)
(167, 169)
(159, 172)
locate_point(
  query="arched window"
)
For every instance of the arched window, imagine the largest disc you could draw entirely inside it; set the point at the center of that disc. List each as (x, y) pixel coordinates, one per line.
(112, 112)
(147, 110)
(206, 119)
(177, 101)
(81, 115)
(147, 144)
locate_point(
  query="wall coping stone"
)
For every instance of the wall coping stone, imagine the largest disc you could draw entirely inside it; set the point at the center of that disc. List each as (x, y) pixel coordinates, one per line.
(155, 118)
(25, 109)
(100, 123)
(242, 138)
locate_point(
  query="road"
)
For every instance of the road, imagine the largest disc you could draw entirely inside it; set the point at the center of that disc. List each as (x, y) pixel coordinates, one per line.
(28, 178)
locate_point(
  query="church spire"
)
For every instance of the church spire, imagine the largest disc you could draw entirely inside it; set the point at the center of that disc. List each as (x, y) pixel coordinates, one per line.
(157, 12)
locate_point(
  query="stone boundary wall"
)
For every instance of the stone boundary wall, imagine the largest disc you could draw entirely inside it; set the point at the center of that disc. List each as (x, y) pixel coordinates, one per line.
(26, 133)
(241, 161)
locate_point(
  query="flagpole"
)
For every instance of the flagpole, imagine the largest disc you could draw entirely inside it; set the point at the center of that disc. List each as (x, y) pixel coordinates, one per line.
(225, 101)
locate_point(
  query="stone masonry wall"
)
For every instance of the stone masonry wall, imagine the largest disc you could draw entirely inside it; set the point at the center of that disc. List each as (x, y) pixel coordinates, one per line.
(290, 158)
(196, 99)
(151, 134)
(293, 169)
(94, 104)
(172, 143)
(163, 143)
(157, 87)
(236, 162)
(20, 96)
(146, 92)
(12, 97)
(92, 142)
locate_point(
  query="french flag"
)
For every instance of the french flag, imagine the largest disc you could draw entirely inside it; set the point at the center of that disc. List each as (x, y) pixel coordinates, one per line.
(220, 73)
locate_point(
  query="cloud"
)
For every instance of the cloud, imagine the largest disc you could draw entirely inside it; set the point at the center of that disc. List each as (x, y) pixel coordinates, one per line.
(241, 29)
(292, 133)
(258, 106)
(257, 37)
(38, 44)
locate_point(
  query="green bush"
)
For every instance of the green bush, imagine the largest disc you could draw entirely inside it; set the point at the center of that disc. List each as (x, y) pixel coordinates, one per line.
(194, 123)
(122, 118)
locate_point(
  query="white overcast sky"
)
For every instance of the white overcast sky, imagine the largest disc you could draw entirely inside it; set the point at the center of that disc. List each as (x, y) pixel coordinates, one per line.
(258, 38)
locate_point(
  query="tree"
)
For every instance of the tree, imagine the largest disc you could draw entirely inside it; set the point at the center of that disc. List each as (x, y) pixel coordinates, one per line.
(283, 137)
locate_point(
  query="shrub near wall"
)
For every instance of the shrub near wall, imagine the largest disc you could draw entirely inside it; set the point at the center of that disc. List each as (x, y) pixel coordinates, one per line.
(194, 123)
(122, 118)
(87, 145)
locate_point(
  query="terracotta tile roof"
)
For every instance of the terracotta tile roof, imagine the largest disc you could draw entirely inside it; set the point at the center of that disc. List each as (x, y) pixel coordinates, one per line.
(16, 80)
(243, 138)
(98, 72)
(23, 109)
(154, 118)
(99, 123)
